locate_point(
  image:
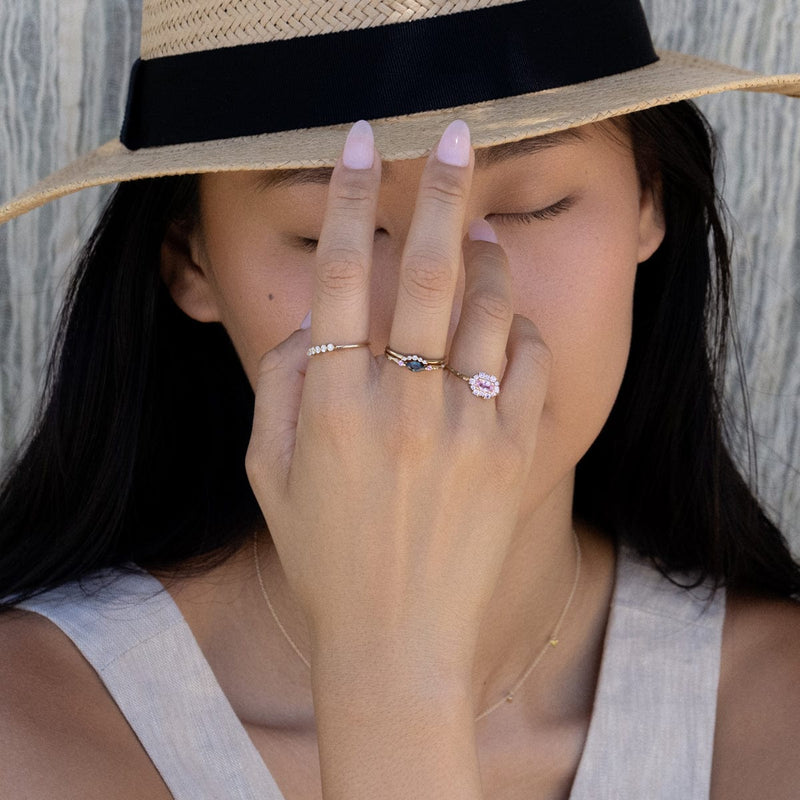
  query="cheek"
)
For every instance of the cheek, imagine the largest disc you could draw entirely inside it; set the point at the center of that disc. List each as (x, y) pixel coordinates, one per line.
(576, 284)
(263, 291)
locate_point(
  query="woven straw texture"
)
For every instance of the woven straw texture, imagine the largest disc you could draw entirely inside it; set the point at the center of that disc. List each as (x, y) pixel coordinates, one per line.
(171, 27)
(491, 122)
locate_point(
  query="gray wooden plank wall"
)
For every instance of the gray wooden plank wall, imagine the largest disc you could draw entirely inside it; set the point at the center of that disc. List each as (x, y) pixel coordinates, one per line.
(63, 75)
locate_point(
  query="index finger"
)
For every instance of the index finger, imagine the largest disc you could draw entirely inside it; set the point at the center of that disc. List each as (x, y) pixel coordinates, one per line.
(340, 304)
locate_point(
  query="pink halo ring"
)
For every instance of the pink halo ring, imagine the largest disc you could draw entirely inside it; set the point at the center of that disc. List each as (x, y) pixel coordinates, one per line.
(484, 385)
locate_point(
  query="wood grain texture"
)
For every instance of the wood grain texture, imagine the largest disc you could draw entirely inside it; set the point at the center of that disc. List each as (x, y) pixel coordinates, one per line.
(63, 74)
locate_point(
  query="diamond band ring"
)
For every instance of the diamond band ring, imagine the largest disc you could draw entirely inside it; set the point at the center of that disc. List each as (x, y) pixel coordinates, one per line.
(329, 348)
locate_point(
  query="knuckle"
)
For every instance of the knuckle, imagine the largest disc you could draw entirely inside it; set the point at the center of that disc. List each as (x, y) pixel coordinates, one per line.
(270, 362)
(467, 440)
(343, 270)
(540, 354)
(260, 461)
(427, 275)
(354, 190)
(446, 188)
(414, 427)
(491, 257)
(504, 463)
(531, 346)
(333, 401)
(254, 464)
(493, 306)
(331, 425)
(512, 459)
(333, 419)
(411, 436)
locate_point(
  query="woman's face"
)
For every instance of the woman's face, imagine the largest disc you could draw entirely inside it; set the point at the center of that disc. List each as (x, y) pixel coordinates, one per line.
(568, 210)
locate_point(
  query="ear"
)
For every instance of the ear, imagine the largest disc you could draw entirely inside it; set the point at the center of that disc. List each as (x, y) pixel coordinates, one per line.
(185, 273)
(652, 225)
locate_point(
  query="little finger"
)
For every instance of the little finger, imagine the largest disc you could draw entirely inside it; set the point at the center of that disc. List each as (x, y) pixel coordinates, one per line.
(279, 387)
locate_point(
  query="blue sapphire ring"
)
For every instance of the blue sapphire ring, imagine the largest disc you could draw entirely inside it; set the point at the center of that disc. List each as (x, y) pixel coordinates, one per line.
(414, 362)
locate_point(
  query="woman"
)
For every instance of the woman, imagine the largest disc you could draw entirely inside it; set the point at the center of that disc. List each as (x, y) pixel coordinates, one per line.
(387, 572)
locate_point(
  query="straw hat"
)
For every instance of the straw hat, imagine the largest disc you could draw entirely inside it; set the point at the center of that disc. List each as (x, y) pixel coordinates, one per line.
(260, 84)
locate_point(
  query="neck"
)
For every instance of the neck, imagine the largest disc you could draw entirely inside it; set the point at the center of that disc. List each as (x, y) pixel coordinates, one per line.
(532, 592)
(248, 652)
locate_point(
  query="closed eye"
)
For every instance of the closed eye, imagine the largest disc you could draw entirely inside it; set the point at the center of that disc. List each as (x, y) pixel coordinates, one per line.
(309, 245)
(541, 214)
(526, 218)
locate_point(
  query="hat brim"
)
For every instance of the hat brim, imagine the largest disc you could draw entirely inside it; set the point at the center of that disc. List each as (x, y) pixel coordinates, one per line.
(674, 77)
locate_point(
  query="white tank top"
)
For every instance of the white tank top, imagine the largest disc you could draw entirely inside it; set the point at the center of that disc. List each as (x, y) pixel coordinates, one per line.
(651, 732)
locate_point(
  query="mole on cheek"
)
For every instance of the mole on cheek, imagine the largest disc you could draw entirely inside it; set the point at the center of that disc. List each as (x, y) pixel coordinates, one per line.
(271, 296)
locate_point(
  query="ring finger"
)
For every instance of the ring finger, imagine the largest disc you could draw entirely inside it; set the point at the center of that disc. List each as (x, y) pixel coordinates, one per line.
(480, 339)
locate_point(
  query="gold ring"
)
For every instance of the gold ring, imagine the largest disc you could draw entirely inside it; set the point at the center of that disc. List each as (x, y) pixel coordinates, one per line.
(414, 362)
(329, 348)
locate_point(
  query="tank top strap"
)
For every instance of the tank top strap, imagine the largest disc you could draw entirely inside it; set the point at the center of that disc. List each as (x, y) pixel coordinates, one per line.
(129, 629)
(652, 728)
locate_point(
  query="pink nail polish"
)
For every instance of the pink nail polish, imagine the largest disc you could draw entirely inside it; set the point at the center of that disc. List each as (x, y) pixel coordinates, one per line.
(481, 231)
(359, 149)
(454, 146)
(306, 323)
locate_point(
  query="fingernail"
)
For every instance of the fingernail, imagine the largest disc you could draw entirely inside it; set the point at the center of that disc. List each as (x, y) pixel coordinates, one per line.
(481, 231)
(306, 323)
(359, 149)
(453, 147)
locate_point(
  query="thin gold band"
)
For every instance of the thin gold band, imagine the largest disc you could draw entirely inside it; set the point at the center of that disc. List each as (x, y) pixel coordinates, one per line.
(330, 347)
(457, 373)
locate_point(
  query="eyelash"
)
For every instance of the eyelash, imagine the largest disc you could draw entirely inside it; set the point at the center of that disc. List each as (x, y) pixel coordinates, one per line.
(550, 212)
(526, 218)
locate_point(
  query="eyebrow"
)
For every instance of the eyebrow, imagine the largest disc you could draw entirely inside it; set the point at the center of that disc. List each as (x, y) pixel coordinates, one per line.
(484, 157)
(489, 156)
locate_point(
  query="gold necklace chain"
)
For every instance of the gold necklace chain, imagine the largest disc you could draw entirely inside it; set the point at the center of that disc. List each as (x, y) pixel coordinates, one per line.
(551, 643)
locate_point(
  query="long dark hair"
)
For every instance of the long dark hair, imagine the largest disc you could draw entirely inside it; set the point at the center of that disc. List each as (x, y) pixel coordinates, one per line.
(138, 451)
(660, 475)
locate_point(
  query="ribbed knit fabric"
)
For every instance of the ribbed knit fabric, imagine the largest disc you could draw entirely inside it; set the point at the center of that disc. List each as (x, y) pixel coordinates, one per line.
(651, 734)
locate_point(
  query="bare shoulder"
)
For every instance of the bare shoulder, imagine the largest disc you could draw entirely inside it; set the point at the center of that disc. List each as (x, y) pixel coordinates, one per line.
(758, 714)
(61, 734)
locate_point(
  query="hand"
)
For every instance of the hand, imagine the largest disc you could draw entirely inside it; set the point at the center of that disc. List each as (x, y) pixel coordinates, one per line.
(391, 496)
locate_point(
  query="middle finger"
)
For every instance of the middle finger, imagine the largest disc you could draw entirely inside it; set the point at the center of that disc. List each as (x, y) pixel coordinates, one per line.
(432, 254)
